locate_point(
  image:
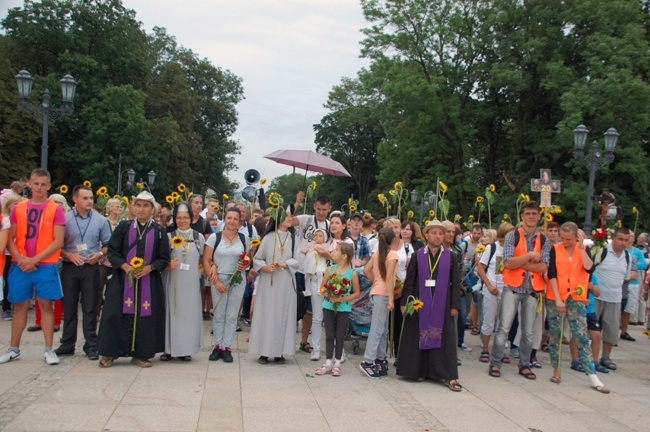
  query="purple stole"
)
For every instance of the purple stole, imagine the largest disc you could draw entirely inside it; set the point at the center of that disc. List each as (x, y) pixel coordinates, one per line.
(128, 307)
(432, 314)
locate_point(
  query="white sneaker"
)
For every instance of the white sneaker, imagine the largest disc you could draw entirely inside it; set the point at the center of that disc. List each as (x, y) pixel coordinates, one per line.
(9, 356)
(343, 357)
(464, 347)
(51, 358)
(315, 355)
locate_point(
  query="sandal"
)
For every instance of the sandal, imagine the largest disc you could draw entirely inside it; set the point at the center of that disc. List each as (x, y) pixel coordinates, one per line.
(336, 371)
(534, 363)
(505, 360)
(141, 363)
(494, 371)
(601, 389)
(485, 357)
(608, 364)
(304, 346)
(475, 331)
(556, 379)
(528, 375)
(323, 370)
(453, 385)
(106, 362)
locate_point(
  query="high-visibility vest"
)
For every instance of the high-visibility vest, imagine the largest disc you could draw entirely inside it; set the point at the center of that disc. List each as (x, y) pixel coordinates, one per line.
(515, 277)
(45, 232)
(570, 274)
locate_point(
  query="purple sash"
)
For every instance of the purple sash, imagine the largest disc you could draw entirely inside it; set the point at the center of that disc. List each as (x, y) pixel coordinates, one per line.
(128, 307)
(432, 314)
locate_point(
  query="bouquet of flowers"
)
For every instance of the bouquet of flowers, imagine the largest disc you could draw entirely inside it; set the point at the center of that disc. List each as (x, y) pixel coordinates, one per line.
(599, 237)
(237, 277)
(336, 286)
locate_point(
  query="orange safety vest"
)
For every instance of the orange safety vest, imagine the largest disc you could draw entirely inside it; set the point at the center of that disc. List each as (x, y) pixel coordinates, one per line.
(515, 277)
(45, 232)
(3, 256)
(570, 274)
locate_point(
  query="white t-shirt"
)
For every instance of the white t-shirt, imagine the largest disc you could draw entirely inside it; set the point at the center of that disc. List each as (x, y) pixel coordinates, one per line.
(305, 233)
(495, 263)
(611, 274)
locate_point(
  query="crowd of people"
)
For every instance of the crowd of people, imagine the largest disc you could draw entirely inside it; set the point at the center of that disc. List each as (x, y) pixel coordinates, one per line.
(146, 277)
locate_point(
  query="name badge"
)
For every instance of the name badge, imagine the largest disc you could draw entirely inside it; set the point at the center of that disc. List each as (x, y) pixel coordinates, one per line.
(430, 283)
(82, 247)
(185, 267)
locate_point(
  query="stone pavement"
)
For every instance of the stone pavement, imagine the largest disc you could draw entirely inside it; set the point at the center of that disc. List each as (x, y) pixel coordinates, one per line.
(213, 396)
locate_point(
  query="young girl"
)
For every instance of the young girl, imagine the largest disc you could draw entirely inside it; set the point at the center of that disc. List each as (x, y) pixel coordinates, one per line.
(336, 310)
(315, 268)
(381, 270)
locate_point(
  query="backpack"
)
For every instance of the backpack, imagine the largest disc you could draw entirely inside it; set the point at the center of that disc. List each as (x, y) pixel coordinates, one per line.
(493, 250)
(218, 235)
(602, 253)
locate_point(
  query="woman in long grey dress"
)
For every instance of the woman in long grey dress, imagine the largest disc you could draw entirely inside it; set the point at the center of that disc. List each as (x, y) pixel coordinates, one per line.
(183, 323)
(273, 331)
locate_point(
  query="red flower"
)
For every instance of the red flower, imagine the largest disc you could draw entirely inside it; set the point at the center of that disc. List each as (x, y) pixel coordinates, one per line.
(345, 281)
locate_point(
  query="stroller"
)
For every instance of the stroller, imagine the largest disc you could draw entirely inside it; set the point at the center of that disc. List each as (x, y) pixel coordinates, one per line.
(361, 315)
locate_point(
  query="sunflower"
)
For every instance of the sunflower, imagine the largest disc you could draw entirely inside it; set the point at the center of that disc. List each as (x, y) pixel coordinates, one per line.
(190, 194)
(527, 197)
(215, 207)
(493, 188)
(549, 218)
(480, 249)
(353, 208)
(397, 186)
(505, 216)
(116, 196)
(392, 192)
(175, 195)
(479, 199)
(178, 241)
(263, 182)
(426, 222)
(102, 190)
(410, 214)
(417, 305)
(432, 213)
(350, 201)
(634, 209)
(125, 199)
(225, 196)
(620, 223)
(523, 197)
(63, 189)
(136, 262)
(87, 183)
(313, 185)
(169, 199)
(106, 196)
(139, 185)
(181, 188)
(275, 199)
(457, 217)
(255, 242)
(443, 187)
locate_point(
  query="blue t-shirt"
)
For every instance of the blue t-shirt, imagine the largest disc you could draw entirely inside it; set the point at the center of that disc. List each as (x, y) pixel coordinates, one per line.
(640, 261)
(344, 306)
(590, 295)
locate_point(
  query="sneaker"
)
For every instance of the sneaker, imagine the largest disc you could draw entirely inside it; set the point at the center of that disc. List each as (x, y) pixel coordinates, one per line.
(226, 355)
(343, 357)
(216, 354)
(315, 355)
(238, 328)
(464, 347)
(7, 315)
(382, 367)
(51, 358)
(9, 356)
(369, 369)
(246, 321)
(514, 352)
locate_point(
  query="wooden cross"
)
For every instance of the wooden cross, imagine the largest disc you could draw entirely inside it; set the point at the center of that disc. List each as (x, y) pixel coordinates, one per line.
(546, 185)
(146, 305)
(128, 302)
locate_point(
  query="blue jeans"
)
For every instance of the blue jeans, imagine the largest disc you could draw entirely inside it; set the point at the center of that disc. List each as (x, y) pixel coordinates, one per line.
(377, 344)
(224, 323)
(507, 311)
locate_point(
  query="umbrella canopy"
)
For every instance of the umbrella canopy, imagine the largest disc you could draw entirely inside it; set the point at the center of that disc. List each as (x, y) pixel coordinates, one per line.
(310, 161)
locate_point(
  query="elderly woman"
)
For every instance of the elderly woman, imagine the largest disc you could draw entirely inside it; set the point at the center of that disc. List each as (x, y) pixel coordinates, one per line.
(183, 324)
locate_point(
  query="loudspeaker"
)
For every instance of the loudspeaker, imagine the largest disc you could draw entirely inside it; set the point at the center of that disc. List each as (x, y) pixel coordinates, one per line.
(252, 176)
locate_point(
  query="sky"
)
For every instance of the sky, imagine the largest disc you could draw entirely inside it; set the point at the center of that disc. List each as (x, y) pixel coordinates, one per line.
(289, 54)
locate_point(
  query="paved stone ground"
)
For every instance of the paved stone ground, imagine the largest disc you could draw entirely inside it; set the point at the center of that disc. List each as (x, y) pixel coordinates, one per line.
(213, 396)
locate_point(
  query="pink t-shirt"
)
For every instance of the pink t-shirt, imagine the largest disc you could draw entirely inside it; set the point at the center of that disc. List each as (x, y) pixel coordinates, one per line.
(34, 214)
(379, 285)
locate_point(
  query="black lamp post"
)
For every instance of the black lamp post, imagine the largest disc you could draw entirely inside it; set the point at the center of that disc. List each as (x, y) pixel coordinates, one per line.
(594, 160)
(45, 113)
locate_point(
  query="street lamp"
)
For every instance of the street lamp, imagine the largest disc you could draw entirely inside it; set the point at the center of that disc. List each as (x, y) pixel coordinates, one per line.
(424, 201)
(44, 113)
(594, 160)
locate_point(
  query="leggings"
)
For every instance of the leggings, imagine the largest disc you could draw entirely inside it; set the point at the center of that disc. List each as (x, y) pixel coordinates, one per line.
(335, 325)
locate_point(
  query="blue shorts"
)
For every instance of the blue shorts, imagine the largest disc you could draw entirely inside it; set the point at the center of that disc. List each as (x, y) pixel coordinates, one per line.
(45, 281)
(592, 322)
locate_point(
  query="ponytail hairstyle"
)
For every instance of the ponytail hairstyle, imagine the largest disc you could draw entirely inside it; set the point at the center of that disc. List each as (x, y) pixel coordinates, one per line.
(385, 238)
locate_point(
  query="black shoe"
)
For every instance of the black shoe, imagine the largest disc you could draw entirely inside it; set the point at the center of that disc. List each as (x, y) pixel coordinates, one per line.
(165, 357)
(57, 328)
(226, 355)
(216, 354)
(186, 358)
(34, 328)
(92, 355)
(263, 360)
(279, 360)
(626, 336)
(60, 351)
(238, 328)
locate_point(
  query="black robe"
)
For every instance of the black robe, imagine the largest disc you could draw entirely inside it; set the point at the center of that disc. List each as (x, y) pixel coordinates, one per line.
(439, 363)
(116, 328)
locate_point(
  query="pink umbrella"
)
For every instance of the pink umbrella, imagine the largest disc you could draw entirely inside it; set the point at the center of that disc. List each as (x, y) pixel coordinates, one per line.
(309, 161)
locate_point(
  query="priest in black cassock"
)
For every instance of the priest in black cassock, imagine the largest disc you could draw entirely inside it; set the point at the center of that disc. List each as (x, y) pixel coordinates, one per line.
(133, 317)
(428, 346)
